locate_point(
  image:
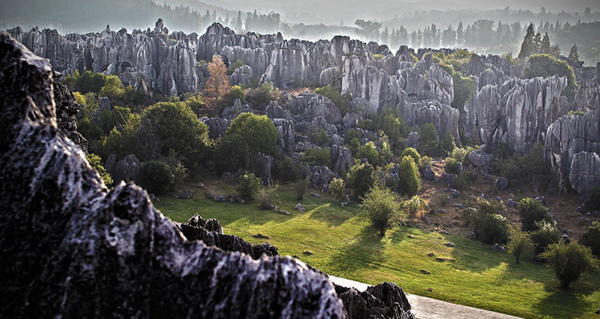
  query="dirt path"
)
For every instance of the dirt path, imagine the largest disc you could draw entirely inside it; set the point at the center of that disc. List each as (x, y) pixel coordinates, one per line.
(428, 308)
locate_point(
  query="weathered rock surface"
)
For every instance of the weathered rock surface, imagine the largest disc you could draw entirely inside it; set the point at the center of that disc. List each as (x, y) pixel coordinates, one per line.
(341, 157)
(320, 176)
(217, 127)
(126, 169)
(71, 248)
(385, 300)
(66, 115)
(242, 76)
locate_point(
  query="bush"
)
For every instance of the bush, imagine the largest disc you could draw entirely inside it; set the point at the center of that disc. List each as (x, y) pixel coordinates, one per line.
(490, 226)
(236, 92)
(318, 157)
(518, 244)
(360, 178)
(591, 238)
(593, 204)
(447, 144)
(156, 177)
(247, 135)
(248, 186)
(409, 151)
(381, 205)
(545, 235)
(413, 205)
(409, 179)
(287, 169)
(532, 211)
(545, 65)
(320, 137)
(337, 188)
(453, 166)
(530, 169)
(266, 196)
(395, 128)
(341, 101)
(262, 96)
(460, 154)
(429, 141)
(569, 261)
(96, 163)
(369, 151)
(300, 187)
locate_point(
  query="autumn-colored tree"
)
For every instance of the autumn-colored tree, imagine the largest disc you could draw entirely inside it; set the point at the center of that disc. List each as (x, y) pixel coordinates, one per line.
(217, 84)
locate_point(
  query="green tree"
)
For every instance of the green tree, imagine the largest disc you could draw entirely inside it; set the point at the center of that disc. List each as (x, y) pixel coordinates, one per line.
(529, 45)
(592, 238)
(360, 178)
(429, 141)
(545, 235)
(96, 163)
(569, 261)
(318, 157)
(156, 177)
(518, 244)
(532, 211)
(337, 188)
(409, 179)
(247, 135)
(491, 226)
(447, 144)
(381, 205)
(369, 151)
(341, 101)
(409, 151)
(248, 186)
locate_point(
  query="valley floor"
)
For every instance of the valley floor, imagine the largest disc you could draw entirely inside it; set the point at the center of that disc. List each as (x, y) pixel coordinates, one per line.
(341, 242)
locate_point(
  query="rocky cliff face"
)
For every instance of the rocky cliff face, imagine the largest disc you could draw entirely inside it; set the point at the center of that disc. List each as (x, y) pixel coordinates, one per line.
(72, 248)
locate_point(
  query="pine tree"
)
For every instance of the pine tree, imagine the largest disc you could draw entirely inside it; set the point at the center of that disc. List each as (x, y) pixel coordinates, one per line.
(573, 54)
(545, 45)
(460, 34)
(217, 84)
(409, 180)
(528, 47)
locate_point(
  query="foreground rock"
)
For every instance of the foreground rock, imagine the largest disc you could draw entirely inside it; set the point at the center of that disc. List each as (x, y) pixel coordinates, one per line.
(72, 248)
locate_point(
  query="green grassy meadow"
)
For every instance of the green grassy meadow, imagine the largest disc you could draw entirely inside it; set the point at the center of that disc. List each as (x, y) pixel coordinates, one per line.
(344, 245)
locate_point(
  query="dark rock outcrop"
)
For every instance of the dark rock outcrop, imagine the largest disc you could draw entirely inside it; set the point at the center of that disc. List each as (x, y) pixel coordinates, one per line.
(71, 248)
(385, 300)
(66, 115)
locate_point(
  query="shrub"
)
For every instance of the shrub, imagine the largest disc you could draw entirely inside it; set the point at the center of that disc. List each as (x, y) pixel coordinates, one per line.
(247, 135)
(96, 163)
(341, 101)
(429, 141)
(287, 169)
(409, 179)
(320, 137)
(532, 211)
(518, 244)
(395, 128)
(369, 151)
(409, 151)
(545, 65)
(236, 92)
(156, 177)
(318, 157)
(234, 66)
(530, 169)
(593, 204)
(360, 178)
(248, 186)
(491, 228)
(266, 196)
(413, 205)
(569, 261)
(262, 96)
(592, 238)
(381, 205)
(453, 166)
(447, 144)
(300, 188)
(546, 234)
(460, 154)
(337, 188)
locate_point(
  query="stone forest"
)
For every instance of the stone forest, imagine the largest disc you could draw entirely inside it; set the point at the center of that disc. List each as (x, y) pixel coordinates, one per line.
(228, 173)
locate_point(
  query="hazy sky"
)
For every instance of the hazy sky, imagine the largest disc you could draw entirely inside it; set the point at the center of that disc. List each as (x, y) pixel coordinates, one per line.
(334, 10)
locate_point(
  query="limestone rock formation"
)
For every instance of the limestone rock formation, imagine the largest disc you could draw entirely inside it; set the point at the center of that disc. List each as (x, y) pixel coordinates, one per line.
(385, 300)
(341, 157)
(242, 76)
(71, 248)
(263, 166)
(320, 176)
(126, 169)
(66, 115)
(217, 127)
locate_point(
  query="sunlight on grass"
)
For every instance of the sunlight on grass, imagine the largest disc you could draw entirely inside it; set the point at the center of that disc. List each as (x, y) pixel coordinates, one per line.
(343, 244)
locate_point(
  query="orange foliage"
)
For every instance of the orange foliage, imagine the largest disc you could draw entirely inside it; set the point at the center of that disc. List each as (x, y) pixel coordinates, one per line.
(218, 84)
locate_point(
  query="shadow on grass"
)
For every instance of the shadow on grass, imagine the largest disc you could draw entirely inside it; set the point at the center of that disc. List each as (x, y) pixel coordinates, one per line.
(565, 304)
(400, 233)
(474, 256)
(360, 254)
(332, 214)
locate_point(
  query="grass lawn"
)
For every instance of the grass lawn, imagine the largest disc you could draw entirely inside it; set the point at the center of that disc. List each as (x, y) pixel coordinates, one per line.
(345, 245)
